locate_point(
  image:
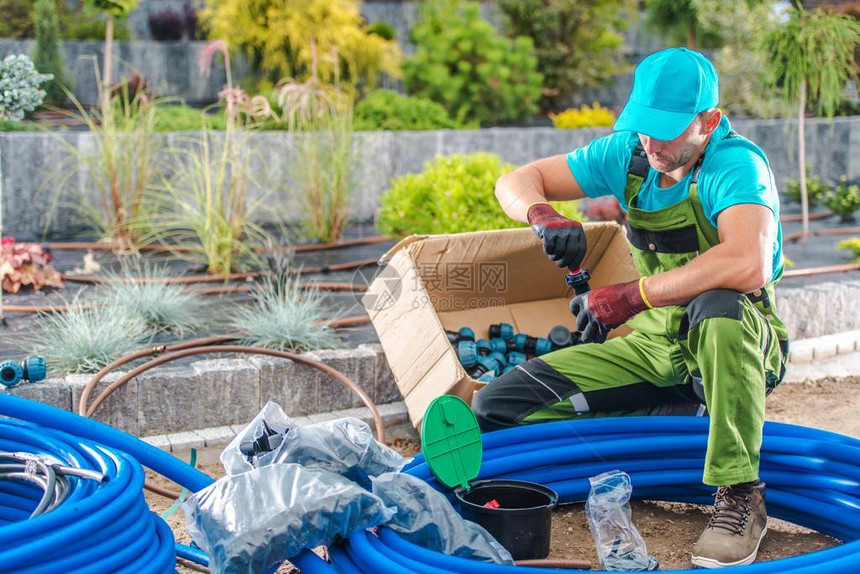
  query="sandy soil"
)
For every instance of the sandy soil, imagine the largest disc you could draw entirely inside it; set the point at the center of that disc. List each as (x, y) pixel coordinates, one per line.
(671, 529)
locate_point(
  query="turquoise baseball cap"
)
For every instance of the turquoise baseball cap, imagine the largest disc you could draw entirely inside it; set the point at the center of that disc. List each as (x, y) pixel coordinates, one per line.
(669, 88)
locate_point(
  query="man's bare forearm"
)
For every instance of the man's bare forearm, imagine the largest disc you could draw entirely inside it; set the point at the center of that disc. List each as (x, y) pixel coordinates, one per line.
(721, 267)
(519, 189)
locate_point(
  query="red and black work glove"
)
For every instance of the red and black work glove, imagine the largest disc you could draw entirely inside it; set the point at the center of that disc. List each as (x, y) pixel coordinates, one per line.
(600, 310)
(563, 239)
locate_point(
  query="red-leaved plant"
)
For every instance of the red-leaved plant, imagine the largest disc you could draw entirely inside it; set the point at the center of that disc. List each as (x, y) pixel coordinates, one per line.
(26, 264)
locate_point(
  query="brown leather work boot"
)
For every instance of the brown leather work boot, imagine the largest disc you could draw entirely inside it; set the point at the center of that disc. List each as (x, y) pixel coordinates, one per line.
(736, 529)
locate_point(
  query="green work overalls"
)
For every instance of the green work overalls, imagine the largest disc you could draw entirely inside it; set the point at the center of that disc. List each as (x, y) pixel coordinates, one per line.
(724, 349)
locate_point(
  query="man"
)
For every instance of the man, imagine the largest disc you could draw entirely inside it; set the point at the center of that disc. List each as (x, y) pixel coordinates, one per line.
(705, 237)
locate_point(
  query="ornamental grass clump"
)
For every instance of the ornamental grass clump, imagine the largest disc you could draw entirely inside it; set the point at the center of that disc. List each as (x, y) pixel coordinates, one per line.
(285, 317)
(202, 205)
(320, 118)
(120, 166)
(142, 290)
(86, 337)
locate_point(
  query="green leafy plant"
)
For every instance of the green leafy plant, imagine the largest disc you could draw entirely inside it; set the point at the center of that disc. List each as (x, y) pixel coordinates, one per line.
(86, 337)
(815, 188)
(201, 203)
(48, 58)
(843, 200)
(810, 59)
(286, 317)
(142, 289)
(852, 245)
(685, 20)
(453, 194)
(584, 116)
(280, 38)
(569, 66)
(463, 63)
(20, 87)
(120, 166)
(389, 110)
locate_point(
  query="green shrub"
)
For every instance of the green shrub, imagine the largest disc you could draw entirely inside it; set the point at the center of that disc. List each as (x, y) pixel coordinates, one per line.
(182, 118)
(389, 110)
(453, 194)
(382, 29)
(20, 87)
(577, 42)
(843, 200)
(48, 59)
(17, 20)
(12, 126)
(585, 116)
(815, 188)
(463, 63)
(83, 26)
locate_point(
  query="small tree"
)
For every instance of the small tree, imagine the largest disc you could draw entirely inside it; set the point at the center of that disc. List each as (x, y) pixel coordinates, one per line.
(276, 35)
(811, 58)
(676, 15)
(577, 43)
(463, 63)
(112, 9)
(48, 58)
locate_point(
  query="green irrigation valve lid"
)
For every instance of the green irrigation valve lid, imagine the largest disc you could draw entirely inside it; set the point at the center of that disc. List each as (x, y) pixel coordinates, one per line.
(451, 441)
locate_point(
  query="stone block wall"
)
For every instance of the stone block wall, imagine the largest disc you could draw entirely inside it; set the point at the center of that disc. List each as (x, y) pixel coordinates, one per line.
(28, 159)
(219, 392)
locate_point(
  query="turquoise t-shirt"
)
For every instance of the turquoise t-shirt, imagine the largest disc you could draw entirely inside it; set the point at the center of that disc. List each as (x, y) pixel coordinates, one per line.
(734, 171)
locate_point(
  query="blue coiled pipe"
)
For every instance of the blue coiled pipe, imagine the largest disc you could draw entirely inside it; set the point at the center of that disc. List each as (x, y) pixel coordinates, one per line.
(82, 442)
(813, 479)
(103, 526)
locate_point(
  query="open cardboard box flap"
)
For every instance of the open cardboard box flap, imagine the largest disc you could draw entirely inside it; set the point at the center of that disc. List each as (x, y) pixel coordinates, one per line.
(429, 283)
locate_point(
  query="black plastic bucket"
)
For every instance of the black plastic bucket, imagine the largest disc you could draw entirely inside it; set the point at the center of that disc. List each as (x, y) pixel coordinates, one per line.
(522, 523)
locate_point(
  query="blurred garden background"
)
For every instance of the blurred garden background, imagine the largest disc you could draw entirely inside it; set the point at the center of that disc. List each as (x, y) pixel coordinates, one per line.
(212, 134)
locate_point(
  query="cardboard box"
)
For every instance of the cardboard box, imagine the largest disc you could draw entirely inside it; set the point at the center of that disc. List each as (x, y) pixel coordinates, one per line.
(430, 283)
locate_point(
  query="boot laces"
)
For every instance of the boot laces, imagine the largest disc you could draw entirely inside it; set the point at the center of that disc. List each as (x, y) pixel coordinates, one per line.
(732, 508)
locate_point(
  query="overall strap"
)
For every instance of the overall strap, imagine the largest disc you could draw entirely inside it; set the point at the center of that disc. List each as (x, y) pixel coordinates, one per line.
(710, 232)
(637, 171)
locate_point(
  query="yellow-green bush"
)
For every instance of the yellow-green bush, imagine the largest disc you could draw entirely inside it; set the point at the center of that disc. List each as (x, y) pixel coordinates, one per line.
(453, 194)
(852, 245)
(585, 116)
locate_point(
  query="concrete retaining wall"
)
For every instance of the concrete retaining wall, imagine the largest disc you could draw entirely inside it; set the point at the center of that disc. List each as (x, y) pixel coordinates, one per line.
(213, 393)
(833, 150)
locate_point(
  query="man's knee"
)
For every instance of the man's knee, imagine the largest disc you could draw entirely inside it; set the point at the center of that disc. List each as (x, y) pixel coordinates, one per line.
(716, 303)
(488, 406)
